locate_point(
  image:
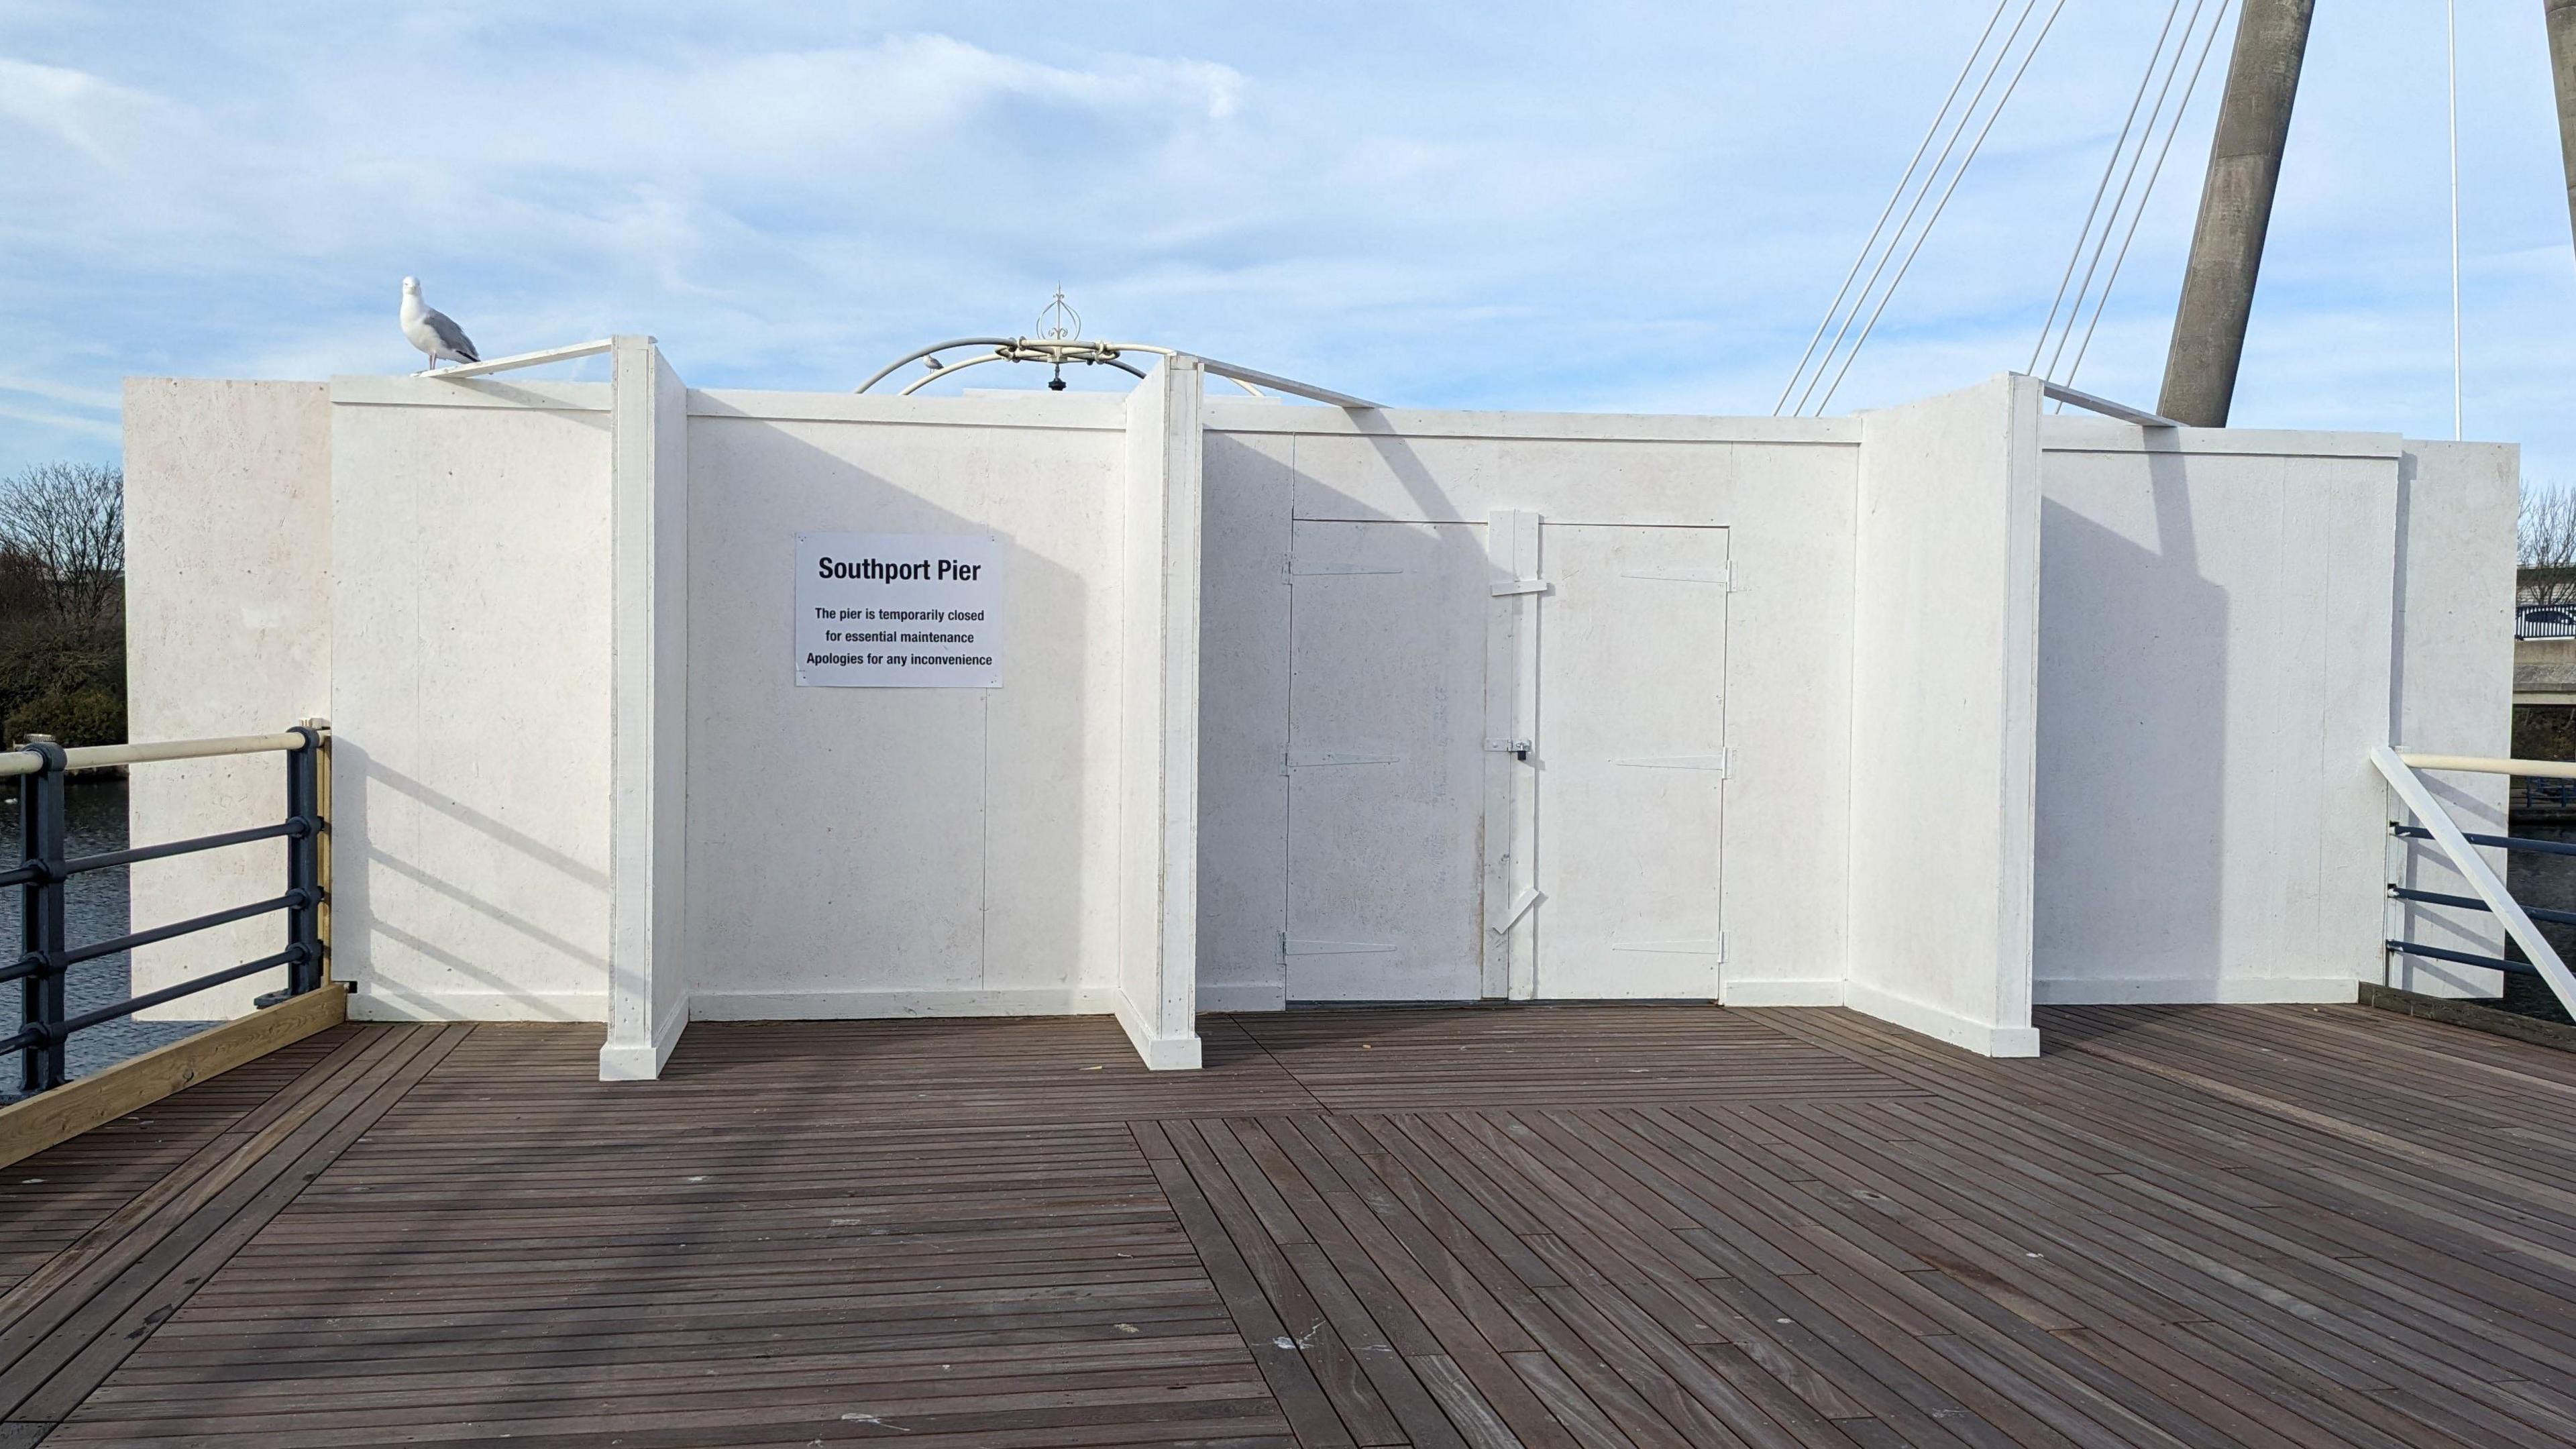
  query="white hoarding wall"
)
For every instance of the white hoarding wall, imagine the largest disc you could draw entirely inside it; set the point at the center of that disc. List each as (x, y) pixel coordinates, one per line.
(1945, 687)
(2216, 625)
(1373, 655)
(2457, 503)
(905, 851)
(471, 697)
(1930, 711)
(228, 632)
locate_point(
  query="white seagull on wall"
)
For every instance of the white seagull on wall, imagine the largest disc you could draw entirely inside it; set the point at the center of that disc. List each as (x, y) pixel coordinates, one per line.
(431, 330)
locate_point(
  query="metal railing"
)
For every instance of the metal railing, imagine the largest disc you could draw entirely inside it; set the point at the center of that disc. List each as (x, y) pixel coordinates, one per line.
(46, 869)
(2435, 824)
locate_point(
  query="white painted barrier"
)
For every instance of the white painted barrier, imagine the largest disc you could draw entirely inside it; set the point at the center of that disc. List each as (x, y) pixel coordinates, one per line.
(1934, 712)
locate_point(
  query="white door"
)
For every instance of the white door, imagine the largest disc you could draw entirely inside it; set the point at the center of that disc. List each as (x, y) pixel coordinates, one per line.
(1631, 760)
(1423, 850)
(1385, 761)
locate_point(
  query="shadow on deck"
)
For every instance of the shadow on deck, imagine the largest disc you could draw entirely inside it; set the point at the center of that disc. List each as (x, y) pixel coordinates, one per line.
(1549, 1226)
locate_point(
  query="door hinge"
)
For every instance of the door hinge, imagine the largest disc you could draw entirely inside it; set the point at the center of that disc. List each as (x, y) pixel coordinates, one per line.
(1519, 749)
(1521, 586)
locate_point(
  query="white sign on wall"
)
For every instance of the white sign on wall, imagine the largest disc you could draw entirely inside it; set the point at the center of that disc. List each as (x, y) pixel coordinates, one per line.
(917, 610)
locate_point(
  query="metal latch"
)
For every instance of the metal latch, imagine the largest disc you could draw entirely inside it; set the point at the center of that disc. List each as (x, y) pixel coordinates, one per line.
(1518, 749)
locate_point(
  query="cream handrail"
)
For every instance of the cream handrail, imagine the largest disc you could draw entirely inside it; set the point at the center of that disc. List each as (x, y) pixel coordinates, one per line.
(2473, 867)
(2482, 765)
(99, 757)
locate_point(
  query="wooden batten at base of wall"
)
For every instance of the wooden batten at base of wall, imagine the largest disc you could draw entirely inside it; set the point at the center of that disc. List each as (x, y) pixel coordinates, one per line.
(30, 1126)
(2475, 1016)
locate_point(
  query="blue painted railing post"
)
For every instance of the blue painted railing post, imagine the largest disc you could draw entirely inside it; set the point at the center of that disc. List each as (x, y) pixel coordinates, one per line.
(41, 925)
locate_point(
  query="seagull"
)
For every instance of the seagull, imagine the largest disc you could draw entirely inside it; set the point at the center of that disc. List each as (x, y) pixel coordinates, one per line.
(432, 331)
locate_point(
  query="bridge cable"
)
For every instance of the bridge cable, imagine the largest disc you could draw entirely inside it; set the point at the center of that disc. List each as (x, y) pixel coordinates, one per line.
(2102, 188)
(1903, 183)
(2119, 202)
(1958, 129)
(2135, 217)
(1955, 178)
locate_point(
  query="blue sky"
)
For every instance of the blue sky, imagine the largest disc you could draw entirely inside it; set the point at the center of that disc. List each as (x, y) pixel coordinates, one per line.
(1600, 206)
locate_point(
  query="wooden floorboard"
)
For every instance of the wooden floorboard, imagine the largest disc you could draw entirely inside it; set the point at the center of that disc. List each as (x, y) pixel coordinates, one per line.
(2287, 1227)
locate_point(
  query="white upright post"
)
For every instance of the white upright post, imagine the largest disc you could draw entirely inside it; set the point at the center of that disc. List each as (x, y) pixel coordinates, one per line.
(1158, 729)
(648, 506)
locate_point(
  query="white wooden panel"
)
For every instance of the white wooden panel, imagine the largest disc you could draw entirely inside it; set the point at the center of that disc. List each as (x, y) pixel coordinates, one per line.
(1631, 755)
(228, 610)
(2214, 657)
(1243, 723)
(1385, 761)
(939, 845)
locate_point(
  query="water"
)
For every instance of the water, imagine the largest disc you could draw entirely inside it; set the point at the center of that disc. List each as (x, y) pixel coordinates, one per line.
(2548, 881)
(94, 813)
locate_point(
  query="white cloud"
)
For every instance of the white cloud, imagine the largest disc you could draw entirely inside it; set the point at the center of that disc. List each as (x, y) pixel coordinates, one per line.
(1510, 205)
(100, 120)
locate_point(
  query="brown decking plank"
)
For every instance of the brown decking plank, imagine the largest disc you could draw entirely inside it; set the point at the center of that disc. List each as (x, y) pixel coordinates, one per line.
(76, 1304)
(1423, 1169)
(1609, 1218)
(1292, 1381)
(1304, 1327)
(2331, 1349)
(1055, 1417)
(2235, 1297)
(1139, 1392)
(1473, 1328)
(54, 1199)
(2320, 1256)
(2191, 1239)
(1414, 1409)
(947, 1362)
(163, 1279)
(111, 1237)
(1503, 1261)
(1582, 1418)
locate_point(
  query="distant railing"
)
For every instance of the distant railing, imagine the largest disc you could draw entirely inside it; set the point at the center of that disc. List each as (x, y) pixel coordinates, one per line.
(2544, 621)
(2435, 824)
(41, 768)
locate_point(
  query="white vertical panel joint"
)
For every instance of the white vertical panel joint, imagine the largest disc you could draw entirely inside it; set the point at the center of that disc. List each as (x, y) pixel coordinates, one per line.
(1512, 750)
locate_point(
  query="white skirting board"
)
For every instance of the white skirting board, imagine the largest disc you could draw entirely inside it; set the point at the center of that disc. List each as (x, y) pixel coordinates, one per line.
(871, 1005)
(1256, 996)
(1780, 993)
(1983, 1038)
(642, 1062)
(1160, 1053)
(376, 1002)
(2180, 991)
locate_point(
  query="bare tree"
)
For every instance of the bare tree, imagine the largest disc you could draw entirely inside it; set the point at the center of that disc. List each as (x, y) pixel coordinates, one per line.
(69, 519)
(2545, 543)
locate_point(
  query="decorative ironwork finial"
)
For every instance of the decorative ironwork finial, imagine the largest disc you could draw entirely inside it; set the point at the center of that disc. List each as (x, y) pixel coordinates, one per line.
(1058, 322)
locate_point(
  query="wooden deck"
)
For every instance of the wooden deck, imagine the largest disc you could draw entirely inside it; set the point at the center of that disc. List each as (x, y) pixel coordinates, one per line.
(1644, 1226)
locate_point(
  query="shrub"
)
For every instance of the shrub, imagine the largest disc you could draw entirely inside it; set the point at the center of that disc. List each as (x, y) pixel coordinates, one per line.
(70, 688)
(74, 717)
